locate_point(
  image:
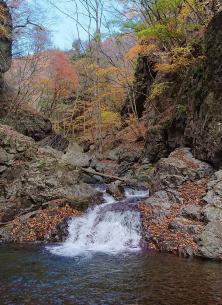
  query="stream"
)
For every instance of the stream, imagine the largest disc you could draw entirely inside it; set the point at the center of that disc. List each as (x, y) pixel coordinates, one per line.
(102, 263)
(112, 227)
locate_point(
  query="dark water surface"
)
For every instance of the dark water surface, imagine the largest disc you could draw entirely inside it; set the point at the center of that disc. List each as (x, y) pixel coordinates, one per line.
(30, 275)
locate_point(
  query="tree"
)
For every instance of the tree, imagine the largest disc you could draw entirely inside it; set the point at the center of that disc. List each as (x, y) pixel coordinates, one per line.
(59, 80)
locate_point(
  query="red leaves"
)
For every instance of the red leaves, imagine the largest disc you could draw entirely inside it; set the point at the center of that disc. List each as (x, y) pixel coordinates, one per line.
(193, 192)
(35, 229)
(161, 234)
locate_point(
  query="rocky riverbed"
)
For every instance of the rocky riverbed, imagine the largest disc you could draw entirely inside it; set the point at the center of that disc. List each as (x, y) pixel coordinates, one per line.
(42, 187)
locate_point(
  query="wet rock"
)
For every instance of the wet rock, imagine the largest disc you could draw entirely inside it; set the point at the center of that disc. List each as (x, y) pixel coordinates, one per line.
(116, 189)
(59, 233)
(210, 241)
(186, 251)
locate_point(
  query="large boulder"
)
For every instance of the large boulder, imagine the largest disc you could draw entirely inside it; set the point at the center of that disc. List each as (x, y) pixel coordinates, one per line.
(178, 168)
(30, 123)
(76, 157)
(210, 241)
(31, 176)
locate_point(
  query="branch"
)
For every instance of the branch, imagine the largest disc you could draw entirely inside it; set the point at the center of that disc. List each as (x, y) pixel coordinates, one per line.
(92, 172)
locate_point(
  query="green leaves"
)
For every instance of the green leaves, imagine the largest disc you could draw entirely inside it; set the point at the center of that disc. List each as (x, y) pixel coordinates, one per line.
(156, 31)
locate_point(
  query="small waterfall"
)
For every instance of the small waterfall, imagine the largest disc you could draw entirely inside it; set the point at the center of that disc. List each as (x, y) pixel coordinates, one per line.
(111, 227)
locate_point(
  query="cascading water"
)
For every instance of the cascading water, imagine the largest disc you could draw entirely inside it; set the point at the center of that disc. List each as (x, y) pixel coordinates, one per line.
(111, 227)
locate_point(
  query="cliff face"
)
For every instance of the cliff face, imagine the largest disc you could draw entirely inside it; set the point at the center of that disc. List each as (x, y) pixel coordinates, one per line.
(144, 77)
(27, 122)
(204, 123)
(5, 39)
(188, 111)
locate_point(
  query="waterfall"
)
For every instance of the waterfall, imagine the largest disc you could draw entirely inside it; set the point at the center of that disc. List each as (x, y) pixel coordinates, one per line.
(111, 227)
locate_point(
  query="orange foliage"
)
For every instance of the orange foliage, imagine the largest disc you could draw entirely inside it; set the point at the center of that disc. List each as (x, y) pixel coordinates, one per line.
(63, 79)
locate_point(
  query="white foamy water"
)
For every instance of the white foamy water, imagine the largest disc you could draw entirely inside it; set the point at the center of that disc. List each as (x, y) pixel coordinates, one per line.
(102, 229)
(129, 192)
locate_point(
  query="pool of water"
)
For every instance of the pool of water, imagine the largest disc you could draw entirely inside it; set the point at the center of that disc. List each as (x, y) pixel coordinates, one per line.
(31, 275)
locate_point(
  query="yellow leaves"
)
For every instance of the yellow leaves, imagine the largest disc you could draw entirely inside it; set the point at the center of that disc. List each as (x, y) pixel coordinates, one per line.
(143, 49)
(166, 68)
(111, 119)
(133, 52)
(106, 71)
(180, 59)
(4, 28)
(158, 89)
(148, 49)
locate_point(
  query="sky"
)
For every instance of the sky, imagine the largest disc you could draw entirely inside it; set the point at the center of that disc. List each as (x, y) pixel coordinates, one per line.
(63, 28)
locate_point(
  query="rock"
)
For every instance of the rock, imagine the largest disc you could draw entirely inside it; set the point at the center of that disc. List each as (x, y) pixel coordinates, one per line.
(213, 212)
(214, 193)
(204, 99)
(115, 154)
(191, 211)
(5, 38)
(59, 233)
(145, 172)
(186, 251)
(178, 168)
(55, 141)
(75, 156)
(180, 225)
(156, 144)
(160, 205)
(31, 124)
(116, 189)
(144, 77)
(47, 150)
(2, 168)
(36, 175)
(210, 241)
(5, 157)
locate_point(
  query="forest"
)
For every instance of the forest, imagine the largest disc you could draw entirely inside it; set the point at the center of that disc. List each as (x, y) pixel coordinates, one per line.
(90, 91)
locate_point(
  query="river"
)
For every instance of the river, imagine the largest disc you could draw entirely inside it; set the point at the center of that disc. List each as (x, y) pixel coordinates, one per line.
(102, 263)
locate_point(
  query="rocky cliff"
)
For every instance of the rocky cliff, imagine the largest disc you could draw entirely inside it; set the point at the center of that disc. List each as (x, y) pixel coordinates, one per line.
(203, 128)
(186, 110)
(5, 40)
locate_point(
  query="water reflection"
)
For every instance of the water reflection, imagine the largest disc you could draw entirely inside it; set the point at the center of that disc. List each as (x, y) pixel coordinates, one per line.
(31, 276)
